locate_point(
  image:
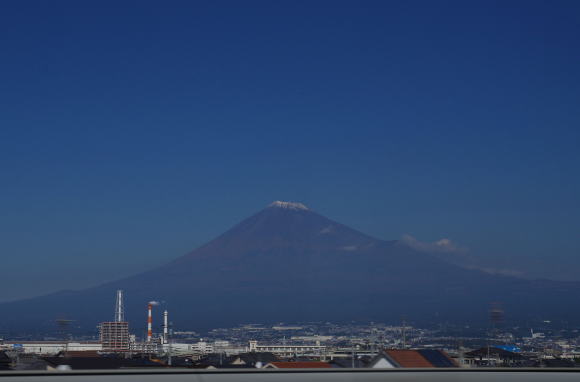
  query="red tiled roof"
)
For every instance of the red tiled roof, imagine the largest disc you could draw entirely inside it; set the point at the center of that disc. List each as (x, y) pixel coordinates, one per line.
(301, 365)
(408, 358)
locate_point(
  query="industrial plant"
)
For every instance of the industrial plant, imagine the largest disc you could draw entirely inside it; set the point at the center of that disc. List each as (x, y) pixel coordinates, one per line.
(115, 336)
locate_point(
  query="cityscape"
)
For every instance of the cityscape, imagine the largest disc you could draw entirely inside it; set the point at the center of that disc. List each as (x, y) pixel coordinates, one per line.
(293, 345)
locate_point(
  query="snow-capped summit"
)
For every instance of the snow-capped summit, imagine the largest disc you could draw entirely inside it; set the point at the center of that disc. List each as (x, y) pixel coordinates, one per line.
(289, 205)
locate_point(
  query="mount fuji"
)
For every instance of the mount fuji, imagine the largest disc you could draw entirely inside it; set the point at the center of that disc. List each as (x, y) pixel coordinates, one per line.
(289, 263)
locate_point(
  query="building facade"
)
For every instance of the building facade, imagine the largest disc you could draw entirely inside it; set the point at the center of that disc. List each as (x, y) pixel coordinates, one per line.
(114, 336)
(287, 350)
(50, 347)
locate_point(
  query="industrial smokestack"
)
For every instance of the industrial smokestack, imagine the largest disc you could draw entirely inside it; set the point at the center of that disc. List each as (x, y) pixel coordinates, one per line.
(150, 319)
(149, 322)
(165, 328)
(119, 308)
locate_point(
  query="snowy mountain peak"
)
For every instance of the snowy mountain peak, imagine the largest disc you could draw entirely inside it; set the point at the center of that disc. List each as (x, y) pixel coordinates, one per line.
(289, 205)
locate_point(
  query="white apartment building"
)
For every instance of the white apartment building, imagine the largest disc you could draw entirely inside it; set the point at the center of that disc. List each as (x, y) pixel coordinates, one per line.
(287, 350)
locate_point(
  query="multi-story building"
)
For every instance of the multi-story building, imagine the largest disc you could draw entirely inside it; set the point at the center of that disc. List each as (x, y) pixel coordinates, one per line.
(114, 336)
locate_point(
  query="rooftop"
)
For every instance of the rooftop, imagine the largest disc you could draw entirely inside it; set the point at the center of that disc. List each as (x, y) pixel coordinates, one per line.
(408, 358)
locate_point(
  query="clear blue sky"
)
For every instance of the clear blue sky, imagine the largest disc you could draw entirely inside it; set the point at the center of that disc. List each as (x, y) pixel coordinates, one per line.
(133, 131)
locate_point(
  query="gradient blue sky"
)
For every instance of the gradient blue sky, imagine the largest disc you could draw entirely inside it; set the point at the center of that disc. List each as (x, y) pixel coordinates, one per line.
(133, 131)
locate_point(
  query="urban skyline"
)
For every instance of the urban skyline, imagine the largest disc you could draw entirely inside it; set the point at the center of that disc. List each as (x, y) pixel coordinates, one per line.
(310, 344)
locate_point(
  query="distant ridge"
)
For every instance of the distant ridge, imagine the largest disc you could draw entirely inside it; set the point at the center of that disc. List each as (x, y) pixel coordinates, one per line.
(289, 263)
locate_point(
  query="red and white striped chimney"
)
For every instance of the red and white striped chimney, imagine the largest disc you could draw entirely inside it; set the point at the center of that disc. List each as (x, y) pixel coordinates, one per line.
(149, 322)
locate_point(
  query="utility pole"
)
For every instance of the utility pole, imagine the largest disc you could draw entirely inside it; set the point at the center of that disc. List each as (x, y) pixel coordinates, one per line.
(404, 333)
(461, 354)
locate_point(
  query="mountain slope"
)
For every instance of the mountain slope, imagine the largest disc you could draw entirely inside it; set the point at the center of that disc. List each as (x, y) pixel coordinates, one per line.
(288, 263)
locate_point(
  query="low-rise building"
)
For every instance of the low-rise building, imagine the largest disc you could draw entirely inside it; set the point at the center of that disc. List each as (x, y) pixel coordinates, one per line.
(493, 356)
(52, 347)
(287, 350)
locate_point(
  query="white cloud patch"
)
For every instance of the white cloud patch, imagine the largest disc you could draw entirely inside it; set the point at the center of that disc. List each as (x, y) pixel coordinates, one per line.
(328, 229)
(441, 246)
(349, 248)
(447, 250)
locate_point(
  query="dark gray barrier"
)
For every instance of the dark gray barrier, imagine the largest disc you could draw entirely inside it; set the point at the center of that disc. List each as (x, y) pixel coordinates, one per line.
(338, 375)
